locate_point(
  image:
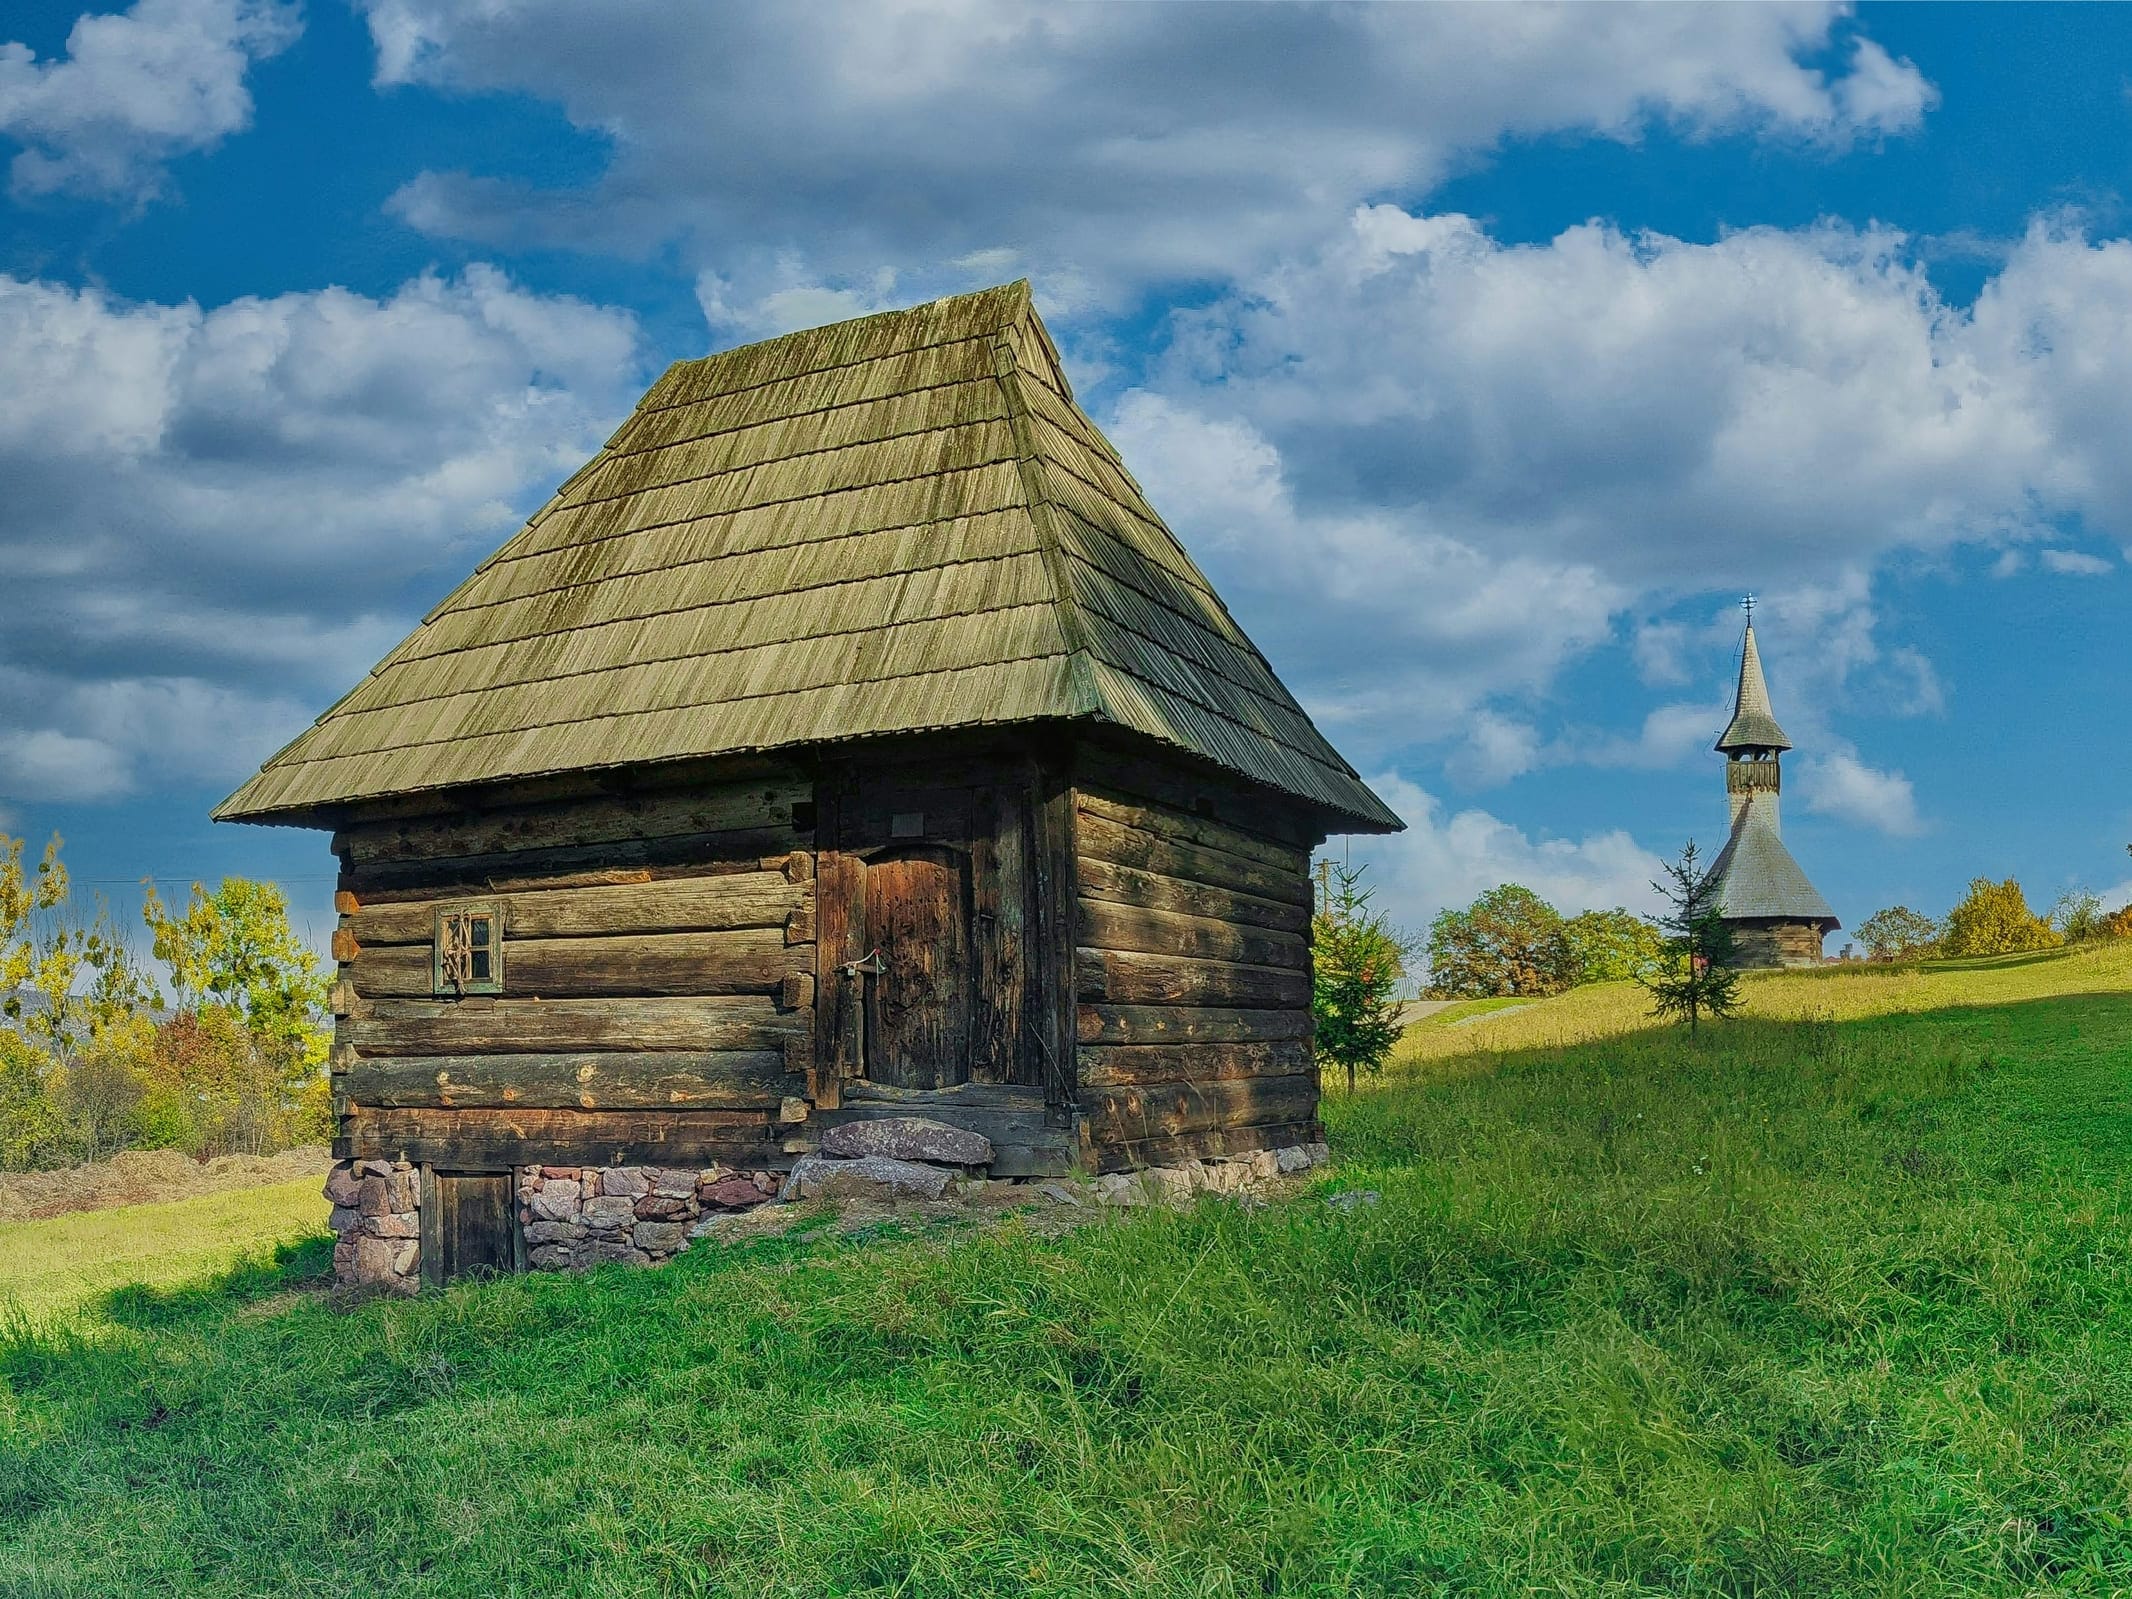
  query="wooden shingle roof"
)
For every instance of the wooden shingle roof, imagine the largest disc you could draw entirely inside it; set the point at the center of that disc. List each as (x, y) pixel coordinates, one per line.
(1758, 877)
(897, 524)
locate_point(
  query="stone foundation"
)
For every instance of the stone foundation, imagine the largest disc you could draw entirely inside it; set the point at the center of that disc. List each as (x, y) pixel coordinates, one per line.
(376, 1221)
(578, 1216)
(573, 1217)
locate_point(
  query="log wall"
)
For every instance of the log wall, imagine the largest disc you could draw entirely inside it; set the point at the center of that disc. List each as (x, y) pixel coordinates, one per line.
(658, 981)
(1193, 1019)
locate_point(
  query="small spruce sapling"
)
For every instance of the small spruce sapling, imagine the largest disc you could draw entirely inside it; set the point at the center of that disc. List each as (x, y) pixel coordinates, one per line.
(1697, 974)
(1357, 964)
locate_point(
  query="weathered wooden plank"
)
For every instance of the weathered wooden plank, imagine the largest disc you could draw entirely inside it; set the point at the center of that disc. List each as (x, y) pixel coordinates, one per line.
(999, 933)
(839, 997)
(674, 905)
(721, 808)
(1250, 809)
(1128, 885)
(547, 1026)
(1104, 839)
(1126, 977)
(1124, 1065)
(749, 961)
(1132, 1112)
(1198, 1146)
(1184, 828)
(1187, 1024)
(665, 1079)
(622, 861)
(494, 1140)
(1052, 948)
(1105, 925)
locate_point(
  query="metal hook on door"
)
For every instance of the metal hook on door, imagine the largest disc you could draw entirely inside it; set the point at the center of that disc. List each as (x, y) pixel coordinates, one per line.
(871, 961)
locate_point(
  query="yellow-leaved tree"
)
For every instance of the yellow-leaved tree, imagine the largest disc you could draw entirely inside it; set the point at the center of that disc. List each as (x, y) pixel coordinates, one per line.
(1994, 919)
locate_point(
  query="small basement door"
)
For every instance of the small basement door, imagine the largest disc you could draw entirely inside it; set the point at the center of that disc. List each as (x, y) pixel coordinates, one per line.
(937, 884)
(468, 1229)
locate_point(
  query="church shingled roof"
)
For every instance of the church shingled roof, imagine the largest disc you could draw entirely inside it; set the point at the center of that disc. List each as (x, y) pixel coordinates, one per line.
(896, 524)
(1753, 725)
(1758, 876)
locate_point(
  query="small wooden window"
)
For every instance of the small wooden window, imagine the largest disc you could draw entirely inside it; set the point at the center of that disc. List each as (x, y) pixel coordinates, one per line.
(468, 957)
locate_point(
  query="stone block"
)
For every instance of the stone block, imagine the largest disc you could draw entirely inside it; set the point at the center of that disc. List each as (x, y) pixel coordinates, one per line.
(342, 1185)
(550, 1257)
(668, 1183)
(610, 1211)
(660, 1237)
(1318, 1154)
(1121, 1188)
(1263, 1165)
(1291, 1160)
(568, 1174)
(404, 1261)
(344, 1218)
(377, 1258)
(374, 1197)
(373, 1168)
(766, 1182)
(909, 1138)
(624, 1182)
(599, 1251)
(735, 1193)
(657, 1207)
(392, 1226)
(553, 1232)
(556, 1201)
(868, 1177)
(406, 1190)
(344, 1260)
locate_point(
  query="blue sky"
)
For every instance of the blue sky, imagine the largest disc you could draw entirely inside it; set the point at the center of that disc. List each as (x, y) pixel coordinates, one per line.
(1482, 355)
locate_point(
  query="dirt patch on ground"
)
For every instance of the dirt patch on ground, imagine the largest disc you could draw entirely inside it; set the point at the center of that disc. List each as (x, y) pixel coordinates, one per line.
(146, 1176)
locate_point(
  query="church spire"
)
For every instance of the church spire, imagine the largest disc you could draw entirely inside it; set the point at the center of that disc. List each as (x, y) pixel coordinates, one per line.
(1753, 729)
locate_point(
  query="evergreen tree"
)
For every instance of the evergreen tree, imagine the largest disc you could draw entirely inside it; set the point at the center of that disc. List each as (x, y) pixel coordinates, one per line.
(1357, 964)
(1696, 974)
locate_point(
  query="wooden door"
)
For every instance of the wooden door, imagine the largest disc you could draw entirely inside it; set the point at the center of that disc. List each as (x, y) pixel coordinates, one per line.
(473, 1233)
(918, 1002)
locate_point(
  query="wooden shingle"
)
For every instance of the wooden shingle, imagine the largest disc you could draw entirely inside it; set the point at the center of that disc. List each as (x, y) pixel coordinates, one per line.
(898, 524)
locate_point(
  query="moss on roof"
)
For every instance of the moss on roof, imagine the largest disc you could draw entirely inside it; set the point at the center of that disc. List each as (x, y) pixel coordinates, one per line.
(897, 524)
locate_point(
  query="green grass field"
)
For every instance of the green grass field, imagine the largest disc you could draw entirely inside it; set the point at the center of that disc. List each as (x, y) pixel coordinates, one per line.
(1835, 1299)
(53, 1268)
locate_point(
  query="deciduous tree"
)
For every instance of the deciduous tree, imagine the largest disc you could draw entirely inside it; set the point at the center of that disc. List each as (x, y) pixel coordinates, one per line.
(1899, 933)
(1508, 941)
(1994, 919)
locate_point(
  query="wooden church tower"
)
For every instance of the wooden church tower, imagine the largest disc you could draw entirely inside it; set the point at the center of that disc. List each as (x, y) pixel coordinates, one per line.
(1777, 916)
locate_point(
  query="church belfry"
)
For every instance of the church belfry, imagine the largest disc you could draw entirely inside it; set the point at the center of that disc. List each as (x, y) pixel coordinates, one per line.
(1777, 916)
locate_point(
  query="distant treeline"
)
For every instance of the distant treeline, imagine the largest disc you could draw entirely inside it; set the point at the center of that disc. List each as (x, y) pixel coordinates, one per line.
(1992, 919)
(215, 1046)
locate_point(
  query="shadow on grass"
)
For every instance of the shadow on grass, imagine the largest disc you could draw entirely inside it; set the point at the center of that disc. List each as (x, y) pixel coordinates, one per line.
(299, 1264)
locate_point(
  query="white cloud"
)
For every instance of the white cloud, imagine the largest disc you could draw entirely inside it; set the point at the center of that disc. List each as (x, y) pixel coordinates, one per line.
(1841, 785)
(1496, 749)
(1445, 858)
(135, 89)
(2118, 897)
(1105, 147)
(218, 519)
(2074, 563)
(1454, 463)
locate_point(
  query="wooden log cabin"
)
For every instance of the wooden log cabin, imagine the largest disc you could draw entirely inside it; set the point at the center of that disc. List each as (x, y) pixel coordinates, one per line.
(848, 737)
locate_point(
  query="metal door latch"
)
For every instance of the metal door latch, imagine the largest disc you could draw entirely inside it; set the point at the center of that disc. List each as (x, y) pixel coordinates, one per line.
(871, 961)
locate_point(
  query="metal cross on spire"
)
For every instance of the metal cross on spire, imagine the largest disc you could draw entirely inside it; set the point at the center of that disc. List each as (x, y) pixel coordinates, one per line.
(1747, 605)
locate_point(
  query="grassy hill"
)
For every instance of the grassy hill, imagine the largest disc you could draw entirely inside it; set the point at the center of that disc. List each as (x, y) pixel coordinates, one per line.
(1834, 1299)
